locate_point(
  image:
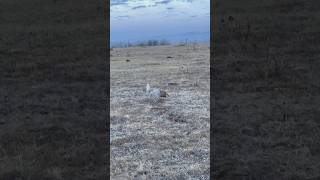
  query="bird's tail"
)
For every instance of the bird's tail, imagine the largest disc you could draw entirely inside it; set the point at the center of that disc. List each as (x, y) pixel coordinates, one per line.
(163, 93)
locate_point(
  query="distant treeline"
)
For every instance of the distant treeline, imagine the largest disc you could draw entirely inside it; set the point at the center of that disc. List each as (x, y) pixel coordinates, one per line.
(152, 43)
(141, 43)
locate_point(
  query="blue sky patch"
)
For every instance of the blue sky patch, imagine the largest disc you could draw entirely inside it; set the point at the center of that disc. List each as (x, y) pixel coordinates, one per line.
(173, 20)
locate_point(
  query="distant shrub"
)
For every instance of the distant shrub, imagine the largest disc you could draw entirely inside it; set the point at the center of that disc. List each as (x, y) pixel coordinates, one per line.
(151, 42)
(164, 42)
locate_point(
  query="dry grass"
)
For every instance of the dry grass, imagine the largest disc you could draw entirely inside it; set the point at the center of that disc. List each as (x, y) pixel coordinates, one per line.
(165, 140)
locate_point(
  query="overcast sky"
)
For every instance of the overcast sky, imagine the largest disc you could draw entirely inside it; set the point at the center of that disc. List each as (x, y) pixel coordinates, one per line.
(173, 20)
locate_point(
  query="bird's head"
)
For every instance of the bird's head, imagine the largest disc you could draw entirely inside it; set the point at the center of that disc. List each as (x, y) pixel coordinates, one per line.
(148, 88)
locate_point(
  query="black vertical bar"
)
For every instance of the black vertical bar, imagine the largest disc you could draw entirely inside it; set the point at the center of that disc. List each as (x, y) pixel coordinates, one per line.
(212, 45)
(107, 34)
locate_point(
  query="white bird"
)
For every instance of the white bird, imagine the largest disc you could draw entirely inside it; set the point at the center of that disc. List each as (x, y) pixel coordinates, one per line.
(155, 94)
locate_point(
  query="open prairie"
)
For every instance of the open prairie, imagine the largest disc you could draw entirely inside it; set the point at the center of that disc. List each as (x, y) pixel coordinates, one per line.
(169, 139)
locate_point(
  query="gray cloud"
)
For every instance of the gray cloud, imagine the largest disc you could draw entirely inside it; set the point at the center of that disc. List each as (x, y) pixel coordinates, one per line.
(163, 2)
(138, 7)
(118, 2)
(122, 17)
